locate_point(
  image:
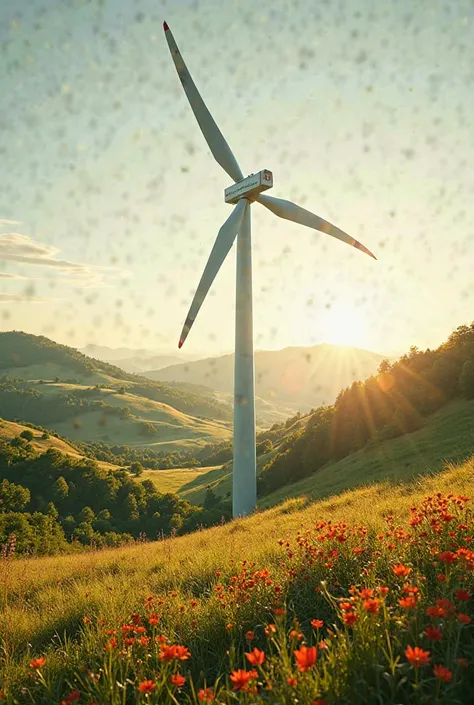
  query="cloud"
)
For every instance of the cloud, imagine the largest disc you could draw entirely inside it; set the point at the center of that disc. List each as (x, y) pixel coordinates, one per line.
(23, 298)
(24, 250)
(5, 221)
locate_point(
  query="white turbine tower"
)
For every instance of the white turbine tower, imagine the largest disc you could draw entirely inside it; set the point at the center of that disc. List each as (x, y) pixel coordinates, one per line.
(244, 192)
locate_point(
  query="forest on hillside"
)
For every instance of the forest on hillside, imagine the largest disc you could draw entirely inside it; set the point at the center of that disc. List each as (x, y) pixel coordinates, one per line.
(386, 405)
(52, 502)
(20, 350)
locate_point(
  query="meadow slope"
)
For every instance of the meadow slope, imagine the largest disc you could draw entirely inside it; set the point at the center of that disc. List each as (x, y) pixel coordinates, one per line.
(207, 589)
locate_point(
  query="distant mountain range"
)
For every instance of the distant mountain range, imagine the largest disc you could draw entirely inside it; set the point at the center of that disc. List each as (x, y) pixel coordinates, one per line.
(298, 378)
(134, 360)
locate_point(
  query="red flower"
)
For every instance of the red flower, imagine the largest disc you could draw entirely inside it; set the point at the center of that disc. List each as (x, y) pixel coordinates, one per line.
(442, 673)
(434, 612)
(350, 618)
(463, 595)
(383, 590)
(250, 636)
(71, 698)
(206, 695)
(147, 686)
(463, 618)
(317, 623)
(447, 557)
(37, 663)
(240, 679)
(319, 701)
(463, 662)
(417, 657)
(401, 570)
(292, 682)
(433, 633)
(407, 603)
(178, 680)
(255, 657)
(305, 657)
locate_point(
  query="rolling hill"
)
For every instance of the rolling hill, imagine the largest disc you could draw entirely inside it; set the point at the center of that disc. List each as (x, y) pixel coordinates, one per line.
(445, 438)
(85, 399)
(296, 378)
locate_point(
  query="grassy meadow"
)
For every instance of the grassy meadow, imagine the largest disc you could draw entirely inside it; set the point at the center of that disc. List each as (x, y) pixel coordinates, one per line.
(343, 598)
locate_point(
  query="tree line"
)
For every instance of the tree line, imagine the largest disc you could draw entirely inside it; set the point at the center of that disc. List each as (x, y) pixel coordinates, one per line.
(386, 405)
(51, 501)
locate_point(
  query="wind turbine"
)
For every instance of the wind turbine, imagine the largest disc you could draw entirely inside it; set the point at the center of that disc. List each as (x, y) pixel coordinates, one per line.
(243, 193)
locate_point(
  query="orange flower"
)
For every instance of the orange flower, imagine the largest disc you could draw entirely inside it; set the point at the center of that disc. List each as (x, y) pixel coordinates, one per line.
(372, 605)
(255, 657)
(178, 680)
(366, 593)
(350, 618)
(169, 653)
(240, 679)
(417, 657)
(319, 701)
(408, 603)
(292, 682)
(147, 686)
(401, 570)
(270, 629)
(442, 673)
(305, 657)
(383, 590)
(250, 635)
(206, 695)
(463, 618)
(37, 663)
(295, 634)
(433, 633)
(317, 623)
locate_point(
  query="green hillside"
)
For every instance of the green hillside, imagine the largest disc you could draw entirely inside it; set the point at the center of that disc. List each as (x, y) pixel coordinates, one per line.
(87, 400)
(447, 437)
(30, 357)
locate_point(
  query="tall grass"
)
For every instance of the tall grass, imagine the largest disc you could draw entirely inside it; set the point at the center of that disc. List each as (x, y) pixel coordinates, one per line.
(292, 564)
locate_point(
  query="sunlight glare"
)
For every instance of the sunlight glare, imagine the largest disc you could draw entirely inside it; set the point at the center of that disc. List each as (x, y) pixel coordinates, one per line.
(345, 324)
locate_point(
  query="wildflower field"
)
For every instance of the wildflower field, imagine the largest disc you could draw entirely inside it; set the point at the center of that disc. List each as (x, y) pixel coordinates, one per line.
(366, 597)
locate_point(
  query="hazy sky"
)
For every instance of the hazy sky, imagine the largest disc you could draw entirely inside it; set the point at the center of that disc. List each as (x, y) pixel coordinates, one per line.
(363, 111)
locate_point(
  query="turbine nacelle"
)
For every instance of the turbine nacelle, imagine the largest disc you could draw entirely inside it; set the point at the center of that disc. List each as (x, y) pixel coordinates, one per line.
(250, 187)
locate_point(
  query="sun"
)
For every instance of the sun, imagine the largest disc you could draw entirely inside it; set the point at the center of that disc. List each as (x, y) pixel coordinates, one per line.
(344, 324)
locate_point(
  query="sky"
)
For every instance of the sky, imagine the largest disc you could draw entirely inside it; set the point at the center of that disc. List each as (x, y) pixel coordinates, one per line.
(110, 200)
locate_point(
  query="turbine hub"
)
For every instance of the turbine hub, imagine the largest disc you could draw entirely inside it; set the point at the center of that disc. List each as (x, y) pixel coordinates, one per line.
(250, 187)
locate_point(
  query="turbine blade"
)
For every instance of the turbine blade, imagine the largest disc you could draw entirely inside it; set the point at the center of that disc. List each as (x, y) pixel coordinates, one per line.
(214, 137)
(224, 241)
(290, 211)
